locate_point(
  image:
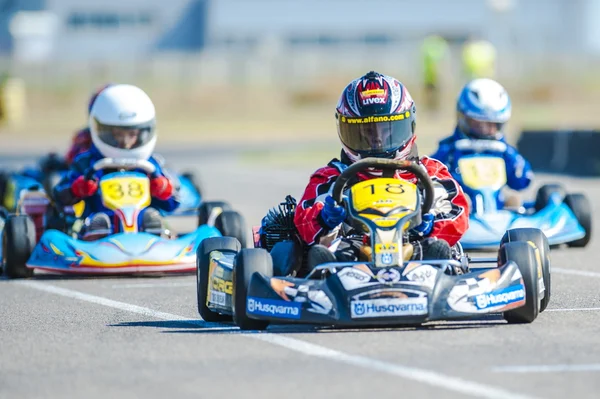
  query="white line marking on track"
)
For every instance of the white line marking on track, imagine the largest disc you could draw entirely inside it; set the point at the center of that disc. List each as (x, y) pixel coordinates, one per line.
(573, 310)
(584, 273)
(153, 285)
(113, 304)
(556, 368)
(410, 373)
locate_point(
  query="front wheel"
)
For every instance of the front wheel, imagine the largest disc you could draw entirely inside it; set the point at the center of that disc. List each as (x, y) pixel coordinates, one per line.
(17, 245)
(523, 255)
(247, 262)
(580, 205)
(232, 224)
(539, 239)
(210, 210)
(542, 198)
(208, 245)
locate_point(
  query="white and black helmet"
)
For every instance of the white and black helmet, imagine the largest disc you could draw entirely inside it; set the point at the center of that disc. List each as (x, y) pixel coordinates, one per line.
(123, 122)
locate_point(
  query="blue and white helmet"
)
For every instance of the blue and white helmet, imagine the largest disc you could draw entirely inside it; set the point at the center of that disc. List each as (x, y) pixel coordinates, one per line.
(483, 108)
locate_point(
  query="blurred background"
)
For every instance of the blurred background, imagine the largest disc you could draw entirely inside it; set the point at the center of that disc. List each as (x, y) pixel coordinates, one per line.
(242, 71)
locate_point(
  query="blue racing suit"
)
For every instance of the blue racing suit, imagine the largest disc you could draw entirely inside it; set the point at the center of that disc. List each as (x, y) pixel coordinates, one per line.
(82, 163)
(518, 170)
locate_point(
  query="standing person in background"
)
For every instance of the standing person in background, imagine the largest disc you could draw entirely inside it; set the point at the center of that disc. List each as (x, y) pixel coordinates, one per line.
(479, 59)
(434, 49)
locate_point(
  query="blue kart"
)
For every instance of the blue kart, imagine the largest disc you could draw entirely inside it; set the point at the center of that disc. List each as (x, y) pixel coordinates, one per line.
(564, 218)
(37, 238)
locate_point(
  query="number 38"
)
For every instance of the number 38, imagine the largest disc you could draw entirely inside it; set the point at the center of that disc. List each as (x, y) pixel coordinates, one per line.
(132, 189)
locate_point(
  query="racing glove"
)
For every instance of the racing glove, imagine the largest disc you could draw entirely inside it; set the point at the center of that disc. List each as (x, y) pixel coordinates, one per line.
(83, 188)
(161, 188)
(332, 213)
(425, 227)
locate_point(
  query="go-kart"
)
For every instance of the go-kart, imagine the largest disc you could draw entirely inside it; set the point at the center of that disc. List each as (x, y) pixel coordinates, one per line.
(29, 242)
(255, 288)
(564, 218)
(51, 168)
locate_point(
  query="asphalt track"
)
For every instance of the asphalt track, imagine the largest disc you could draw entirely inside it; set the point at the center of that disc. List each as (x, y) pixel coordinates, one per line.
(142, 337)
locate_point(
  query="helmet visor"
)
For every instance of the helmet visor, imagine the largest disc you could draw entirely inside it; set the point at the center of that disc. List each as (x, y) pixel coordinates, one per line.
(126, 137)
(484, 129)
(373, 135)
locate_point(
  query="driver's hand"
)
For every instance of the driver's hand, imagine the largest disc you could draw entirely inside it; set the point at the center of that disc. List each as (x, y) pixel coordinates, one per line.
(332, 213)
(425, 227)
(161, 188)
(83, 188)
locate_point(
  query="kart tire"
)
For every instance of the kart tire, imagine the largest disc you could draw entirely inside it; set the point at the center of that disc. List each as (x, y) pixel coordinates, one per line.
(247, 262)
(208, 245)
(232, 224)
(18, 242)
(542, 198)
(523, 255)
(580, 205)
(206, 208)
(194, 180)
(539, 239)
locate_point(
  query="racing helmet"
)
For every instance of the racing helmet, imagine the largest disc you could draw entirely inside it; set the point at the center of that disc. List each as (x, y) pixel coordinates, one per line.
(123, 123)
(376, 118)
(483, 107)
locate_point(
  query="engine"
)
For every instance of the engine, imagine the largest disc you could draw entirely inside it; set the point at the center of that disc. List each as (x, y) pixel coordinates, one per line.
(278, 225)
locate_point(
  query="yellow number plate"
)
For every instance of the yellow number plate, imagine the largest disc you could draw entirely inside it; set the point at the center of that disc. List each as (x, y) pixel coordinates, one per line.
(384, 193)
(120, 192)
(483, 172)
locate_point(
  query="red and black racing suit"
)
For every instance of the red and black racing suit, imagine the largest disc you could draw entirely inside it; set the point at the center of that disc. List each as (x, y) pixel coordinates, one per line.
(449, 207)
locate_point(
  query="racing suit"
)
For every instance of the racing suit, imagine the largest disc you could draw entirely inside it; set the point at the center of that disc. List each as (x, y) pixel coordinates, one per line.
(93, 204)
(449, 207)
(518, 171)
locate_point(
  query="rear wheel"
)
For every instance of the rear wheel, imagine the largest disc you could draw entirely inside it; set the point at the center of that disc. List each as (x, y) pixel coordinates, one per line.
(232, 224)
(544, 193)
(208, 245)
(539, 239)
(580, 205)
(18, 242)
(523, 255)
(208, 211)
(247, 262)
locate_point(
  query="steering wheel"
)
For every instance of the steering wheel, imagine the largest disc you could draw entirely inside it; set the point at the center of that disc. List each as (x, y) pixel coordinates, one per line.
(385, 164)
(120, 163)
